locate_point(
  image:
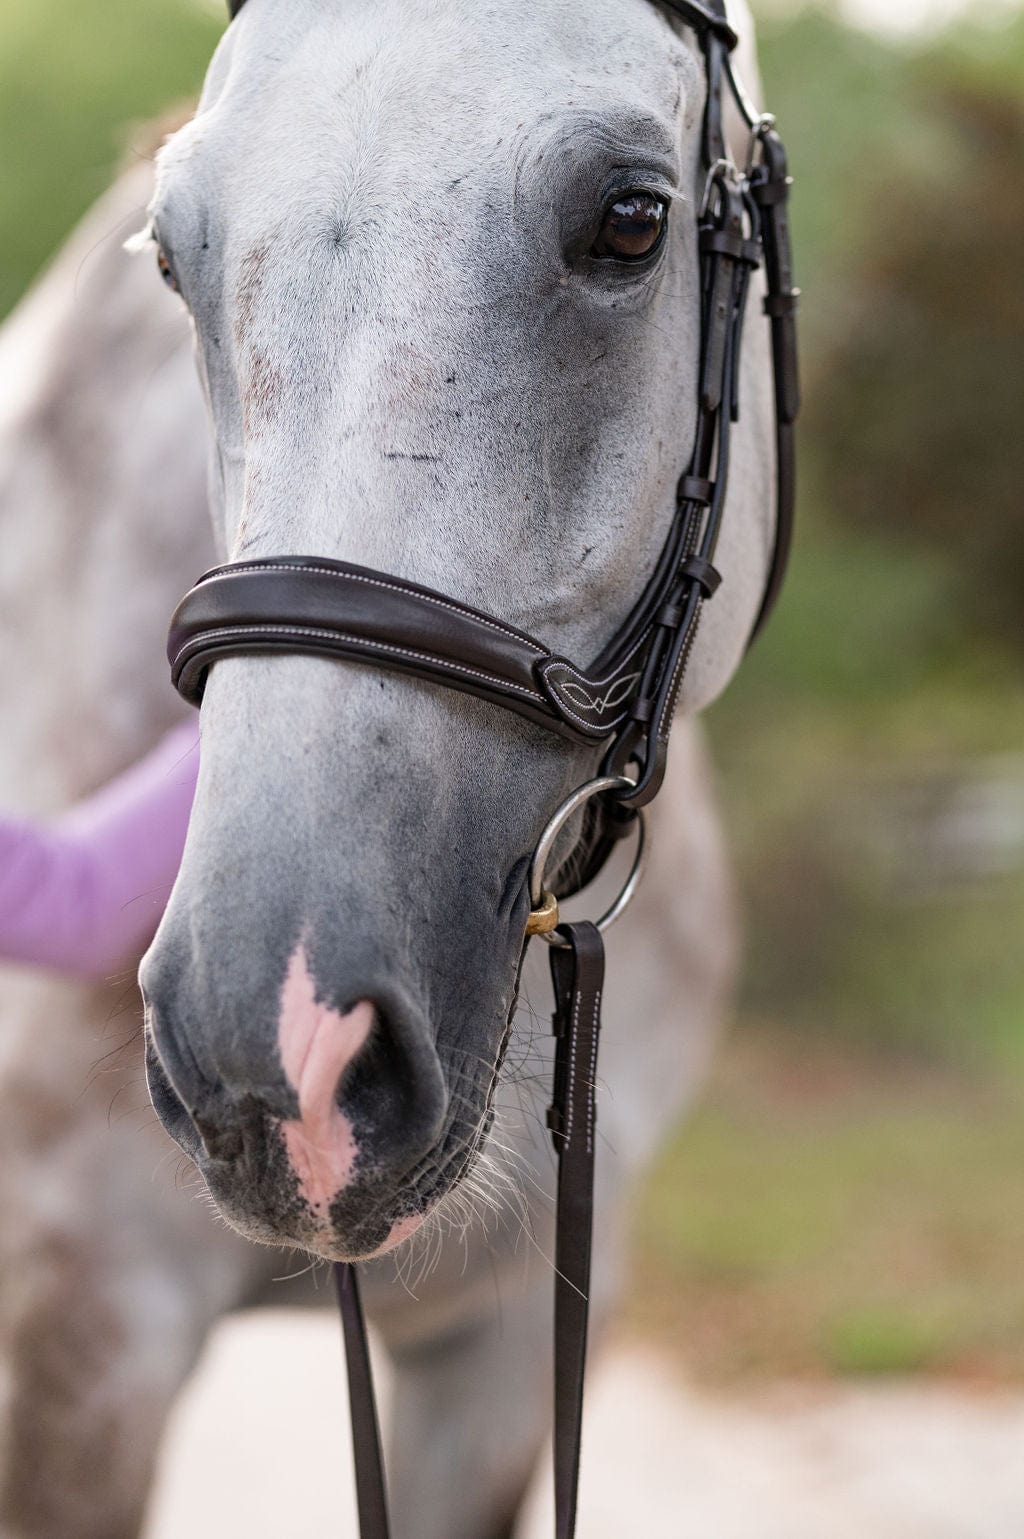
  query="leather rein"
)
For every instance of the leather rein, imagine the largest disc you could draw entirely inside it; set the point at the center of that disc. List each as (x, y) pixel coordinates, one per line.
(621, 704)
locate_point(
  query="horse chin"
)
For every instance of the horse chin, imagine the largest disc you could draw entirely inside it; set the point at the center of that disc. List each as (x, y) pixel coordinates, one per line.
(364, 1221)
(274, 1218)
(403, 1229)
(364, 1244)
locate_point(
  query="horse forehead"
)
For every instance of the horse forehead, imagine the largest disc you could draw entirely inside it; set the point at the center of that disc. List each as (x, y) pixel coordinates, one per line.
(499, 35)
(329, 77)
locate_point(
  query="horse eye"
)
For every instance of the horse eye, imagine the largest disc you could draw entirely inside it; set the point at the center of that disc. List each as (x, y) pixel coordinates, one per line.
(632, 228)
(166, 271)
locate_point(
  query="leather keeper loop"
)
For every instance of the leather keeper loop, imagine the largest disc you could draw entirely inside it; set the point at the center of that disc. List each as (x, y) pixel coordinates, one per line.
(782, 304)
(724, 243)
(767, 193)
(696, 489)
(641, 711)
(702, 572)
(670, 616)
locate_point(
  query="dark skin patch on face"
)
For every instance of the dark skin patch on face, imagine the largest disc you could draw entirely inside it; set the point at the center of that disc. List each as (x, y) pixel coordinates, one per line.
(250, 285)
(261, 394)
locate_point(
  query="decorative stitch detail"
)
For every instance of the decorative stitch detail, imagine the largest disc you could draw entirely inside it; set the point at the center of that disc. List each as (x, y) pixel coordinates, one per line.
(592, 1097)
(618, 693)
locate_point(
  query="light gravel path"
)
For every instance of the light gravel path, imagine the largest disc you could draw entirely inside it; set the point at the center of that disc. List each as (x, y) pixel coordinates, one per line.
(259, 1447)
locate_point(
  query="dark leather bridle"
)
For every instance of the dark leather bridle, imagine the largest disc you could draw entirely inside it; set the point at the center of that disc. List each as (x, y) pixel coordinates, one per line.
(622, 704)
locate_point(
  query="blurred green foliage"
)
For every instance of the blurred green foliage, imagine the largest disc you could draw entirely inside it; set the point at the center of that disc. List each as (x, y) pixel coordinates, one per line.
(916, 425)
(878, 707)
(883, 1340)
(76, 80)
(848, 1197)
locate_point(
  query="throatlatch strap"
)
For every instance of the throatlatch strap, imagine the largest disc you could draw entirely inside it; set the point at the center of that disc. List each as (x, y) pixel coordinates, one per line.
(371, 1495)
(577, 972)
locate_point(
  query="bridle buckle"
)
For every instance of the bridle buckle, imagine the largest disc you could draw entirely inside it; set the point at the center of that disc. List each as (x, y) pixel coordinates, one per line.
(763, 125)
(721, 174)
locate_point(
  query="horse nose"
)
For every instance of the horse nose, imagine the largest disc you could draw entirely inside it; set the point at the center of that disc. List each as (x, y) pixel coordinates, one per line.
(318, 1044)
(370, 1093)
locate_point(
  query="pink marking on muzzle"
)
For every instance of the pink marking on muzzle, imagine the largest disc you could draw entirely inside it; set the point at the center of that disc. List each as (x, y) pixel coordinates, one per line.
(317, 1044)
(402, 1230)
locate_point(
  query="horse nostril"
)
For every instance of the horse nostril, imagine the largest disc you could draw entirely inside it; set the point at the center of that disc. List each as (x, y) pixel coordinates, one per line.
(394, 1086)
(220, 1143)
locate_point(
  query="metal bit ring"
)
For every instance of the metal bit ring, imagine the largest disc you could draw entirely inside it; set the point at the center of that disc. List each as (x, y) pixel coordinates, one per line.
(543, 918)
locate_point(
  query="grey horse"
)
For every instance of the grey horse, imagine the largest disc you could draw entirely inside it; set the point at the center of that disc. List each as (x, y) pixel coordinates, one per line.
(380, 222)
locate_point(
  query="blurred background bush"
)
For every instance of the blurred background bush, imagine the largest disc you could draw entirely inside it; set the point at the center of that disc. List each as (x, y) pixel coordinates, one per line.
(850, 1196)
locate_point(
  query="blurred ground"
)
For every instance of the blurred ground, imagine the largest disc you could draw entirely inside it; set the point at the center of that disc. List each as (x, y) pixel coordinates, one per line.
(259, 1447)
(823, 1213)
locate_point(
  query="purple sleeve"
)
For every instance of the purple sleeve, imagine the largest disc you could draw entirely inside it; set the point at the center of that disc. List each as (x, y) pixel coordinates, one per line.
(84, 894)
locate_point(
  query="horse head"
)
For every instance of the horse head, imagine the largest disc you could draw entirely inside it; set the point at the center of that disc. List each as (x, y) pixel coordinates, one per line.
(442, 266)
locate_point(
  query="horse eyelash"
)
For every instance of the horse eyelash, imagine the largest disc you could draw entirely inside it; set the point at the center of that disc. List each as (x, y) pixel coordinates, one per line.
(142, 240)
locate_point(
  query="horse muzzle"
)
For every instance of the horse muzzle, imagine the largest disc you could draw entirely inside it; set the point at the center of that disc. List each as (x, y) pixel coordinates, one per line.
(344, 1147)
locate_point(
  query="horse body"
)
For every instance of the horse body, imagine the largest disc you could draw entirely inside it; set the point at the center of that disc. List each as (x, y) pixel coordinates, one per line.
(111, 1274)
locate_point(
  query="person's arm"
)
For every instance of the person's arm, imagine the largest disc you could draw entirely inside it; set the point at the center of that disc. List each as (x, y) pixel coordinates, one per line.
(84, 894)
